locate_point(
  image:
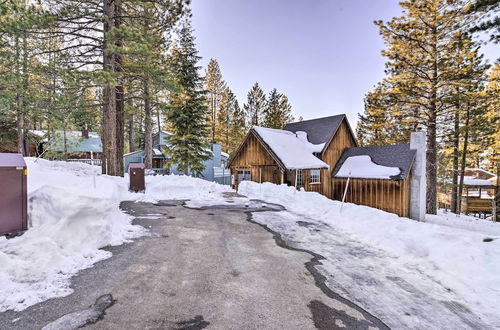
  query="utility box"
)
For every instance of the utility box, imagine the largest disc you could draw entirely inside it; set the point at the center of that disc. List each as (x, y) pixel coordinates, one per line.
(136, 177)
(13, 194)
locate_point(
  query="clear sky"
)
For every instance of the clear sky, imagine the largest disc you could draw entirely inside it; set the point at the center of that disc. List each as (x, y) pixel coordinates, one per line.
(323, 54)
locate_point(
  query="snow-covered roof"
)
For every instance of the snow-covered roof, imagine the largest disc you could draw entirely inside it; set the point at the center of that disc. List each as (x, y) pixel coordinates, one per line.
(481, 170)
(364, 167)
(398, 156)
(293, 152)
(471, 181)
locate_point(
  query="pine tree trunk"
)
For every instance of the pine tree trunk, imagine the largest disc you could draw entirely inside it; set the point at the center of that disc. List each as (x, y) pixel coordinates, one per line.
(431, 164)
(120, 97)
(148, 123)
(456, 141)
(464, 159)
(131, 130)
(113, 121)
(431, 135)
(496, 215)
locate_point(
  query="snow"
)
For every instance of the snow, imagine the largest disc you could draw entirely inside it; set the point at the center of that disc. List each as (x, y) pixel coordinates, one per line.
(471, 181)
(364, 167)
(393, 266)
(290, 149)
(302, 136)
(73, 213)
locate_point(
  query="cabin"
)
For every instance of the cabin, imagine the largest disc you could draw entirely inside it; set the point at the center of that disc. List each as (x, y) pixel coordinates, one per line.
(214, 166)
(81, 146)
(322, 155)
(478, 196)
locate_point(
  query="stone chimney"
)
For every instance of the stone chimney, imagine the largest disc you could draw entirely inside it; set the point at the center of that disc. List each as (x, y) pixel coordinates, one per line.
(418, 185)
(85, 133)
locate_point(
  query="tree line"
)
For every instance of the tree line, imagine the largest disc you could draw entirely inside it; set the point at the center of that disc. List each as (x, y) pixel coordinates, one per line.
(229, 122)
(437, 80)
(125, 68)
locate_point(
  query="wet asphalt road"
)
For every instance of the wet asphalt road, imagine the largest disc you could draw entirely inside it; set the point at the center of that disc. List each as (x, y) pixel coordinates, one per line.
(207, 268)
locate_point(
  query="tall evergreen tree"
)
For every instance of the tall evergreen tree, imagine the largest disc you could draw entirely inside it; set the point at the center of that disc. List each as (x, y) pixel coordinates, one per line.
(420, 57)
(278, 111)
(215, 87)
(186, 110)
(237, 127)
(224, 118)
(256, 102)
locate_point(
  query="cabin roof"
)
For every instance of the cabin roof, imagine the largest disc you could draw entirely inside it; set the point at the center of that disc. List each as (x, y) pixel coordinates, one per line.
(291, 151)
(319, 130)
(390, 156)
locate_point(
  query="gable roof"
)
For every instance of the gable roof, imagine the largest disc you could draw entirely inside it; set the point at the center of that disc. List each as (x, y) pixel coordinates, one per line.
(319, 130)
(398, 155)
(285, 147)
(293, 152)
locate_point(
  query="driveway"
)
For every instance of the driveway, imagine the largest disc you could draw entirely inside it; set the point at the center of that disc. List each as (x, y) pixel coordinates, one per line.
(207, 268)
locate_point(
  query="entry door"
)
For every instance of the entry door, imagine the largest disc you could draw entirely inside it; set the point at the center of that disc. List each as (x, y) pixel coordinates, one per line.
(11, 202)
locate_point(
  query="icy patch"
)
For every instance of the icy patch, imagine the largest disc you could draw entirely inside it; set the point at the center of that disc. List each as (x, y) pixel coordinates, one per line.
(458, 259)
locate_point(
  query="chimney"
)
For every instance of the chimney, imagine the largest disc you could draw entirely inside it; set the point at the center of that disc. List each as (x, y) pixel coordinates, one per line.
(418, 184)
(85, 133)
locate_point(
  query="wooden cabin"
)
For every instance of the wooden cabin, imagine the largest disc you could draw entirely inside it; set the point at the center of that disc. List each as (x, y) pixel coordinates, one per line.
(477, 197)
(314, 154)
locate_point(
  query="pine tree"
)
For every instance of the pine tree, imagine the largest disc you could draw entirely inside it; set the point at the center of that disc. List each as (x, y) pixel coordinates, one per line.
(492, 117)
(224, 119)
(215, 87)
(420, 64)
(237, 129)
(186, 110)
(256, 102)
(277, 112)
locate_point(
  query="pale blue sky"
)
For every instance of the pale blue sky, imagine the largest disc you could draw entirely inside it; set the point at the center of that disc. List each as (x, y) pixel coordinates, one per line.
(323, 54)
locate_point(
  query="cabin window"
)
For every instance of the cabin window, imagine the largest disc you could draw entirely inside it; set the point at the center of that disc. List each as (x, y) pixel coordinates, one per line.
(315, 176)
(244, 175)
(299, 177)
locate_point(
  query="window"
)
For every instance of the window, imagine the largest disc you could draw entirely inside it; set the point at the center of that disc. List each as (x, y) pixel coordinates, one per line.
(315, 176)
(299, 177)
(244, 175)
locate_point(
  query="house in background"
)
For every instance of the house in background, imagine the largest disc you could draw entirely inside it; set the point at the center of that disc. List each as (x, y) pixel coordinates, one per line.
(214, 167)
(322, 155)
(82, 146)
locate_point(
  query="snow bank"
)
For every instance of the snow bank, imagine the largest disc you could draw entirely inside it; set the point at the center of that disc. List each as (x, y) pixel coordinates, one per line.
(73, 213)
(180, 187)
(364, 167)
(457, 258)
(71, 220)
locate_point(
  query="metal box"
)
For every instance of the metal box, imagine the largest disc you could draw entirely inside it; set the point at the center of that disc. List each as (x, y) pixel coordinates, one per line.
(136, 177)
(13, 194)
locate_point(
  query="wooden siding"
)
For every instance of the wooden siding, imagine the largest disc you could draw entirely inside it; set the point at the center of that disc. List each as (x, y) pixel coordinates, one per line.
(388, 195)
(254, 157)
(342, 139)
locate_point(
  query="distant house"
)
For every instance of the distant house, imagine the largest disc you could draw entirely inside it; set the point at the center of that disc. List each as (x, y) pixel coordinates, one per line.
(321, 155)
(79, 145)
(214, 167)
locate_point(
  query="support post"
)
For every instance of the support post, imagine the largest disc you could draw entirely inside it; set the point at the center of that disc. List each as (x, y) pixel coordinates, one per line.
(418, 185)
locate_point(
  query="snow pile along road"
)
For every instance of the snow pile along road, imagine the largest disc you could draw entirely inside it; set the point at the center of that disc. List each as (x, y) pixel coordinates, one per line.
(73, 213)
(71, 220)
(463, 262)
